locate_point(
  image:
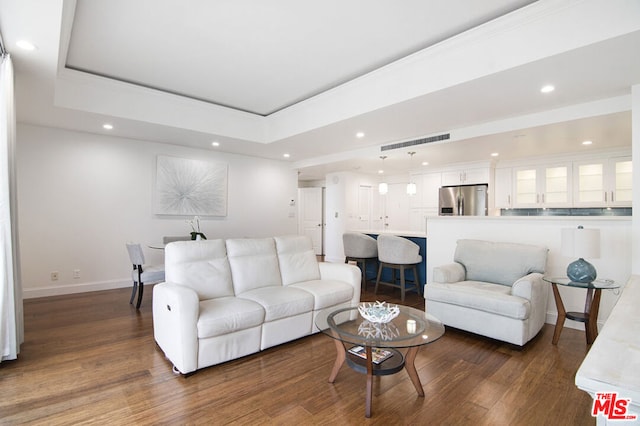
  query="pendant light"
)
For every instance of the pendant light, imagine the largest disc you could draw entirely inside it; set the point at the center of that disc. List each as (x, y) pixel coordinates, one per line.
(412, 188)
(383, 188)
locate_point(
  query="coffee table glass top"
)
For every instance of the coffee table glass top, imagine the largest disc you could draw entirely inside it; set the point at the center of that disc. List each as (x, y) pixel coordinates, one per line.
(412, 327)
(597, 284)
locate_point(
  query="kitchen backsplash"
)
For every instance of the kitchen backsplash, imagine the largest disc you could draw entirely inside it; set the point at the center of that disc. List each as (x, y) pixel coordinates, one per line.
(613, 211)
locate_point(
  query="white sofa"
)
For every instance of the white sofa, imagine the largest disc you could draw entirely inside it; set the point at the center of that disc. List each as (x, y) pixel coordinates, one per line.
(226, 299)
(494, 289)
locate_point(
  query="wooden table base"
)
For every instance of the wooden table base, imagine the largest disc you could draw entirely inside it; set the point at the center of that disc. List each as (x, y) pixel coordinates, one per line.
(409, 365)
(589, 317)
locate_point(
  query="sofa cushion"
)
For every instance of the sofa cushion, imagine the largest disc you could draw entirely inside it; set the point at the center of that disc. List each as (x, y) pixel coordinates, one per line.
(280, 302)
(254, 263)
(226, 315)
(501, 263)
(482, 296)
(327, 293)
(200, 265)
(297, 259)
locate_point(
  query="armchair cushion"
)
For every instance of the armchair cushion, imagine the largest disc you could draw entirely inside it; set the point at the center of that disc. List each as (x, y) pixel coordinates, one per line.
(487, 297)
(501, 263)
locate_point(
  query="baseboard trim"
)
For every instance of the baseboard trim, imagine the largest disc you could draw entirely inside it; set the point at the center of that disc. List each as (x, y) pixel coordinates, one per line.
(32, 293)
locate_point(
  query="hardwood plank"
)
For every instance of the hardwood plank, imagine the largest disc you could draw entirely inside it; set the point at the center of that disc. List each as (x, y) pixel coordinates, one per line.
(91, 358)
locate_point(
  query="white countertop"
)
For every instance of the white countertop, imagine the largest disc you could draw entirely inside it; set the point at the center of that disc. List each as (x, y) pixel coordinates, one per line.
(399, 233)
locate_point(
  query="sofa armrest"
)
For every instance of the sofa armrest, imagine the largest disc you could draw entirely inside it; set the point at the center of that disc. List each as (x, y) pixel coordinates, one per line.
(534, 289)
(343, 272)
(449, 273)
(529, 286)
(175, 317)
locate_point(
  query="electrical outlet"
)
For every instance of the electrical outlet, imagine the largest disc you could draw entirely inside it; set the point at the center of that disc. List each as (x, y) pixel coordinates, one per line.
(76, 273)
(54, 275)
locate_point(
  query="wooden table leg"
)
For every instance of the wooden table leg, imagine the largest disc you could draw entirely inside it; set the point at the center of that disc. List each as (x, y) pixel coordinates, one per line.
(562, 314)
(340, 357)
(409, 365)
(591, 308)
(367, 412)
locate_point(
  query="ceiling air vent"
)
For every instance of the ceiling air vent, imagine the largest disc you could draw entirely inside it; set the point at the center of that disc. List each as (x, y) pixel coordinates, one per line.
(438, 138)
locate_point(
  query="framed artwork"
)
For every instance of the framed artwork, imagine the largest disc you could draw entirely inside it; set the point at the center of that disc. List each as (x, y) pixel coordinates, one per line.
(190, 187)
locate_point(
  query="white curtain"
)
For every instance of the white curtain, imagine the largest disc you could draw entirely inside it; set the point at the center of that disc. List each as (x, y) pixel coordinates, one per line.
(11, 317)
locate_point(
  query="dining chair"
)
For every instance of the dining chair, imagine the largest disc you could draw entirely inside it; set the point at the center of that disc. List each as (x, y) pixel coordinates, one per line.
(142, 273)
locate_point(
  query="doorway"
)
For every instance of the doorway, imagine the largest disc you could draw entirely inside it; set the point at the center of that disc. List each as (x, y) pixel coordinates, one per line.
(311, 216)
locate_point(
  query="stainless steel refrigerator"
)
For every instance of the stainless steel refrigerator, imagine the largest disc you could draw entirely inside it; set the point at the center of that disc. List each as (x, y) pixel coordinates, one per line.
(463, 200)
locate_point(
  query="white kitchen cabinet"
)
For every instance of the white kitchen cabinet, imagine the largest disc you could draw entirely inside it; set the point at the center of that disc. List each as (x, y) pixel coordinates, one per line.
(503, 189)
(431, 183)
(603, 183)
(416, 200)
(542, 186)
(466, 177)
(427, 185)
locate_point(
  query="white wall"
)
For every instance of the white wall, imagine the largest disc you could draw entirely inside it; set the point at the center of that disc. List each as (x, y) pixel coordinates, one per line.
(615, 248)
(82, 196)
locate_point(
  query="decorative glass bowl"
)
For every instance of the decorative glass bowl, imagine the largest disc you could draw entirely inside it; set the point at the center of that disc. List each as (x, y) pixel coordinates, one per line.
(378, 312)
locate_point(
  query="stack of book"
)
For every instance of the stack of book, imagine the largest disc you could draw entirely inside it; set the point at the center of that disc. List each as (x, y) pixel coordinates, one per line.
(377, 354)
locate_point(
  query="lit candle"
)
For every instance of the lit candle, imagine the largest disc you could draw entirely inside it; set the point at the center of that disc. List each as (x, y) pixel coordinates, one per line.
(411, 326)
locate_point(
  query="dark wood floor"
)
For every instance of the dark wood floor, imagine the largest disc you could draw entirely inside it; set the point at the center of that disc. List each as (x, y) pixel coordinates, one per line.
(91, 359)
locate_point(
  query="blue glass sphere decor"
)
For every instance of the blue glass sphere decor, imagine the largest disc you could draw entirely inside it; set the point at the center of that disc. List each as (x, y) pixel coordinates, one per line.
(581, 271)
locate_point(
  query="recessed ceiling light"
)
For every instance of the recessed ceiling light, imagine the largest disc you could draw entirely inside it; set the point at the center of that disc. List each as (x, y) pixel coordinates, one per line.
(494, 154)
(380, 171)
(587, 143)
(425, 163)
(26, 45)
(107, 126)
(360, 135)
(286, 155)
(547, 89)
(215, 143)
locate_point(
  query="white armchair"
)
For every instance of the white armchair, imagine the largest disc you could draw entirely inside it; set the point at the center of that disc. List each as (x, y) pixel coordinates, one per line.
(493, 288)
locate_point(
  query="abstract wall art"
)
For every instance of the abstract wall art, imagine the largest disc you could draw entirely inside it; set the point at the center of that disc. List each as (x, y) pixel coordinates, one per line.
(190, 187)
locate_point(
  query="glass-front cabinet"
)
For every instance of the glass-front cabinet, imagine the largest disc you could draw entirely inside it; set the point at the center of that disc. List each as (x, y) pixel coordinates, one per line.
(603, 183)
(542, 186)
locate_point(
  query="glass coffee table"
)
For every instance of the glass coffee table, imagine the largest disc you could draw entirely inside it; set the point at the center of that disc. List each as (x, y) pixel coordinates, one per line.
(372, 348)
(591, 306)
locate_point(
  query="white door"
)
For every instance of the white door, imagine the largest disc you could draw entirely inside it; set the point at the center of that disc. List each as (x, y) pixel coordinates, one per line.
(310, 214)
(397, 207)
(364, 207)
